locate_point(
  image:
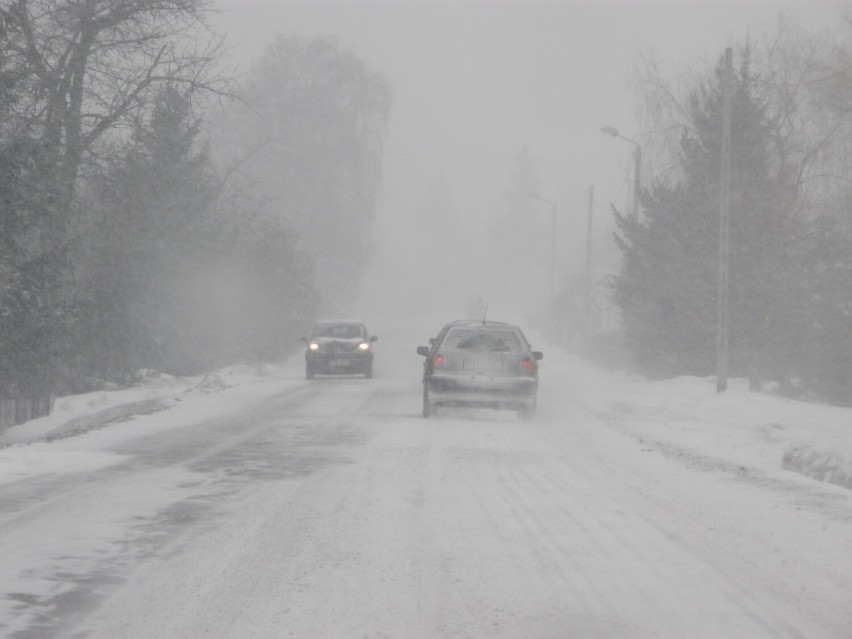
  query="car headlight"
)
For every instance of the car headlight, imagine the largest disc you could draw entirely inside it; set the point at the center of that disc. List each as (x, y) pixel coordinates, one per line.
(364, 346)
(313, 346)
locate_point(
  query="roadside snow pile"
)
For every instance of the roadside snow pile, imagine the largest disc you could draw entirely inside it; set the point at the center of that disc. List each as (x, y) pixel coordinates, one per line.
(74, 415)
(153, 379)
(827, 467)
(108, 416)
(186, 399)
(211, 383)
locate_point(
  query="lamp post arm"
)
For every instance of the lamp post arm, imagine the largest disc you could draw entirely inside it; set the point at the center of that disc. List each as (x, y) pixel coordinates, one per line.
(611, 130)
(633, 142)
(637, 171)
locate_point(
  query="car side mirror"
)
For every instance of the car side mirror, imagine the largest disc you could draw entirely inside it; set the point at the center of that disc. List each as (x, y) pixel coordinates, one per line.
(431, 340)
(373, 338)
(423, 350)
(304, 339)
(538, 355)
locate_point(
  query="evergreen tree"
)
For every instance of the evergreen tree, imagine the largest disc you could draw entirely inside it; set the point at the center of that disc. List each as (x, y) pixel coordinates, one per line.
(827, 342)
(36, 317)
(175, 281)
(154, 211)
(667, 288)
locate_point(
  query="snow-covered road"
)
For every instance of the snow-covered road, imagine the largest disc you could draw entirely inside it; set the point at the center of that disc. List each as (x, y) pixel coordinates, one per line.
(333, 509)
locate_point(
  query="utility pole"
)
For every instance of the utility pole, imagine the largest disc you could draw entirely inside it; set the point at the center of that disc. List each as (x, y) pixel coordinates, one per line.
(552, 252)
(724, 222)
(637, 180)
(587, 301)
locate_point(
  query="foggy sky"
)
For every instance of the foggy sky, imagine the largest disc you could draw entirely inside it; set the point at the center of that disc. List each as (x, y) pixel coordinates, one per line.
(475, 82)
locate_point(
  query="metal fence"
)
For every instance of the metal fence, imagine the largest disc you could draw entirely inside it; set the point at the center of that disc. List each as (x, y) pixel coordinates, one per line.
(14, 411)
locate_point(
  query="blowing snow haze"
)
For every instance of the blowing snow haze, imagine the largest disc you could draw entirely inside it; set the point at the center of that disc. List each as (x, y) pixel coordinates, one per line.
(480, 87)
(210, 174)
(175, 215)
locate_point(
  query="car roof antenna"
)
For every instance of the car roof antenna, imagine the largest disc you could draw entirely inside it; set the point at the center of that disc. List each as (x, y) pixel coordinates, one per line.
(484, 314)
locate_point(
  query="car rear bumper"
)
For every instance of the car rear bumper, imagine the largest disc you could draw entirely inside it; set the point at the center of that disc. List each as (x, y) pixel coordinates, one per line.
(506, 393)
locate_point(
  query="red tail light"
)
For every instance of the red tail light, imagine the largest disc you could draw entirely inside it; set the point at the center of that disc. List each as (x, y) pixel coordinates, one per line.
(528, 365)
(436, 361)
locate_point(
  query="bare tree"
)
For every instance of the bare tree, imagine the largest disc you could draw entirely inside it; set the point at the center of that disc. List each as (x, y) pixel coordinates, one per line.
(312, 130)
(7, 20)
(82, 69)
(803, 79)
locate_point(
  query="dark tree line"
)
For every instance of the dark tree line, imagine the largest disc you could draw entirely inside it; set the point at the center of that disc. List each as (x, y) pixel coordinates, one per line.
(126, 242)
(171, 280)
(790, 260)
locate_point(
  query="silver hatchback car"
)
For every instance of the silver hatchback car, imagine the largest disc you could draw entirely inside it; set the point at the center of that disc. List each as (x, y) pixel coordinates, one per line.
(480, 364)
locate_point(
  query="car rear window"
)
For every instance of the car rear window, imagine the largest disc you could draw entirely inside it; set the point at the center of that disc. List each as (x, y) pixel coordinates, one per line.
(343, 331)
(482, 339)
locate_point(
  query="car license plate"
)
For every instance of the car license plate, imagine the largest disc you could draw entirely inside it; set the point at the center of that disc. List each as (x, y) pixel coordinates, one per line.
(339, 362)
(483, 364)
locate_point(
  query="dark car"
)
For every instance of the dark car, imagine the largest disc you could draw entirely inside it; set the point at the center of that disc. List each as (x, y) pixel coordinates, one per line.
(339, 347)
(480, 364)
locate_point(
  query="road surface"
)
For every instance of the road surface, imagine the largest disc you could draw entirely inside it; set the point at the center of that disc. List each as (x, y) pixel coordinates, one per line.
(333, 509)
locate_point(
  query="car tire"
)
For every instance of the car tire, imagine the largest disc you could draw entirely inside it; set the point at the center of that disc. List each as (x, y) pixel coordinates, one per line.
(368, 373)
(526, 413)
(310, 373)
(429, 409)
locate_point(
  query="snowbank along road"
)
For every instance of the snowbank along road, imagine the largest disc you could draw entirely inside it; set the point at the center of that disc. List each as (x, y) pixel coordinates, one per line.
(331, 508)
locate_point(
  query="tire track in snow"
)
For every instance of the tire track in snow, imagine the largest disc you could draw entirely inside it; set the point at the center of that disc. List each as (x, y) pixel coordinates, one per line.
(696, 565)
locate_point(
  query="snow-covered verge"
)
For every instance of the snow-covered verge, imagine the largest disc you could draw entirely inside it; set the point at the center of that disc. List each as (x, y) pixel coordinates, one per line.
(78, 414)
(748, 430)
(52, 445)
(682, 417)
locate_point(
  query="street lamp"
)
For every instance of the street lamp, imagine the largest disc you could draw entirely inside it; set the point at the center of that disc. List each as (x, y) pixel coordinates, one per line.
(637, 156)
(535, 196)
